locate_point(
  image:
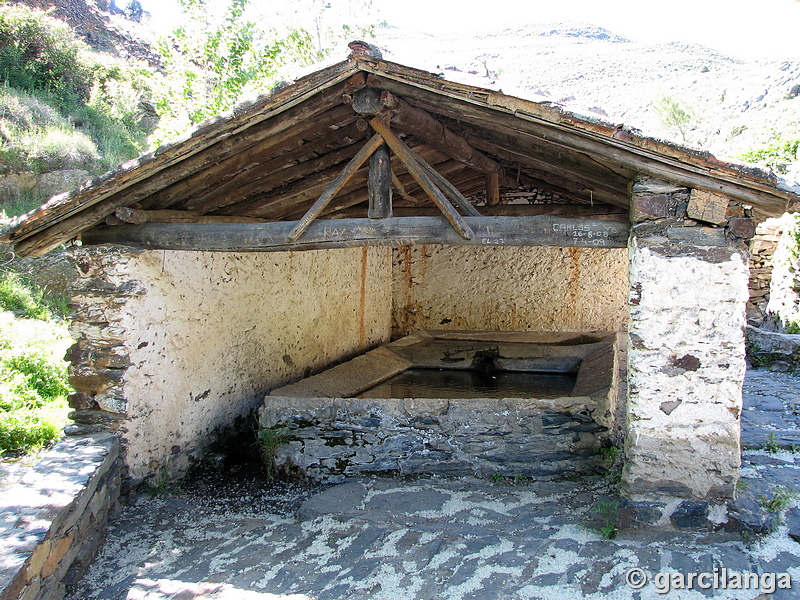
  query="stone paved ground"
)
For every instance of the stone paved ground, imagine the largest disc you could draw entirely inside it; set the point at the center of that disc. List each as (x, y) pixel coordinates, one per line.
(442, 539)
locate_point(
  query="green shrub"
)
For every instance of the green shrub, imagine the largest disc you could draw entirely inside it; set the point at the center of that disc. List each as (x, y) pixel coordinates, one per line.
(775, 154)
(675, 114)
(40, 54)
(21, 299)
(33, 382)
(64, 106)
(27, 430)
(41, 375)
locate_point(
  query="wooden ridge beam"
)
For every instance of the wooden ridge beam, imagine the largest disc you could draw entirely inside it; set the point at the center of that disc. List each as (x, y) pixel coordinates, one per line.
(543, 230)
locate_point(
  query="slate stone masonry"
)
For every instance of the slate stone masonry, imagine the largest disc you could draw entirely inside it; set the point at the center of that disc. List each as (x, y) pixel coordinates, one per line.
(688, 289)
(331, 439)
(52, 521)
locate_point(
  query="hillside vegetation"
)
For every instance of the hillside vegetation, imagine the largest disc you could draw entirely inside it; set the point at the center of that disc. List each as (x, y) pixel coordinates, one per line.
(33, 374)
(63, 107)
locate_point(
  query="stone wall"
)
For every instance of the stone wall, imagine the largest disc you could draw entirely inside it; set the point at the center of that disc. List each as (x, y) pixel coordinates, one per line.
(509, 288)
(171, 346)
(332, 438)
(689, 286)
(783, 309)
(53, 519)
(762, 250)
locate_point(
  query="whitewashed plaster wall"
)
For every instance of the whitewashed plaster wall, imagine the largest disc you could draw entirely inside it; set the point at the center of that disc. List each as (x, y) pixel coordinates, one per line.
(208, 334)
(509, 288)
(685, 370)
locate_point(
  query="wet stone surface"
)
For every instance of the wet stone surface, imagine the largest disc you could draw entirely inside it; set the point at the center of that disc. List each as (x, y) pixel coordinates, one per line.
(435, 538)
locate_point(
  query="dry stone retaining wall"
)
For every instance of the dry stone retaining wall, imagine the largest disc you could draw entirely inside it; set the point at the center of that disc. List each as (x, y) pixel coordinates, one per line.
(53, 519)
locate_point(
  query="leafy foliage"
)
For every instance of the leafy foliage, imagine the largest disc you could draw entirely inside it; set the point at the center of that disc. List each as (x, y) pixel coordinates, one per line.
(608, 511)
(63, 106)
(674, 114)
(223, 52)
(213, 59)
(33, 379)
(776, 154)
(40, 54)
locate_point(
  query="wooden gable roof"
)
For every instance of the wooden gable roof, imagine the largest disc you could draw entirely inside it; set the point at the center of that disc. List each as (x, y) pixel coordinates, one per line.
(270, 159)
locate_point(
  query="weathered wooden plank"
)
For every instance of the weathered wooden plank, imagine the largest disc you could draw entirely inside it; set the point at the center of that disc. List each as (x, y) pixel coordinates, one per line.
(612, 189)
(232, 166)
(379, 184)
(268, 178)
(297, 197)
(540, 230)
(602, 212)
(410, 161)
(134, 216)
(354, 165)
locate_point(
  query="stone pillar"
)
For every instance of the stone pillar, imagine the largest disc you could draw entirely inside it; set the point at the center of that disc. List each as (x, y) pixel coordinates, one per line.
(688, 289)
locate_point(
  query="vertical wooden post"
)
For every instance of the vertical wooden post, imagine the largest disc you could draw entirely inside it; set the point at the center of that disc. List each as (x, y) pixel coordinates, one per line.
(492, 189)
(379, 184)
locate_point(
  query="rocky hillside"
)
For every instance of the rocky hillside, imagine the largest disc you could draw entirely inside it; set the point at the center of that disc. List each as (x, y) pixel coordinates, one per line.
(94, 23)
(733, 104)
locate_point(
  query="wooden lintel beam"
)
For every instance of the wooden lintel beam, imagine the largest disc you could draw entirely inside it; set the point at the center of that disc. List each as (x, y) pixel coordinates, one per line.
(543, 230)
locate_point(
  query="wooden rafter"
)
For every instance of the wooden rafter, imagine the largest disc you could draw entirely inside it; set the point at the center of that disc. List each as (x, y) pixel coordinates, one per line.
(375, 142)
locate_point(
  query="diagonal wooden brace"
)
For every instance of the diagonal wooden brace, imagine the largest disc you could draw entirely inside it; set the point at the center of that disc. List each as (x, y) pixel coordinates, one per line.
(407, 157)
(375, 142)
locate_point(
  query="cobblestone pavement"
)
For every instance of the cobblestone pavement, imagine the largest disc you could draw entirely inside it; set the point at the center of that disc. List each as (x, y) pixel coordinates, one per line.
(445, 539)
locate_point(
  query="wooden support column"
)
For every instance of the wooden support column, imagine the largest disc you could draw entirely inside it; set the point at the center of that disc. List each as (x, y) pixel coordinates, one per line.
(379, 184)
(492, 189)
(423, 179)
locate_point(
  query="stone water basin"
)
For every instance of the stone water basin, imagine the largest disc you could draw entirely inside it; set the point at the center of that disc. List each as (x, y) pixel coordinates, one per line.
(519, 404)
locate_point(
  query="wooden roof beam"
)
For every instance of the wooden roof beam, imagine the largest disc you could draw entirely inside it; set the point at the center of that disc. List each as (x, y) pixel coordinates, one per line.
(542, 230)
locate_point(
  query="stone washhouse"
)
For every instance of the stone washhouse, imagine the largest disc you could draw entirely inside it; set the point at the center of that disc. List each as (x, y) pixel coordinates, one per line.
(370, 201)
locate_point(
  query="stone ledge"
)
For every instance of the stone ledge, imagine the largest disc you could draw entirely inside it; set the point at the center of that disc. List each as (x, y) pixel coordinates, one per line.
(52, 519)
(784, 344)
